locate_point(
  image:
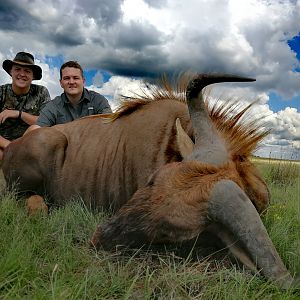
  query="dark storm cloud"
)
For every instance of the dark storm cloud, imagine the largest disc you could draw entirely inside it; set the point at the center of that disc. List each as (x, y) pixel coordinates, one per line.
(137, 36)
(104, 12)
(67, 34)
(148, 63)
(14, 17)
(65, 25)
(64, 39)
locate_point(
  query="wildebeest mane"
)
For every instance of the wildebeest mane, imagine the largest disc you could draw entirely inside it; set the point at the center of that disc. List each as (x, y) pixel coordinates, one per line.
(162, 89)
(237, 125)
(233, 119)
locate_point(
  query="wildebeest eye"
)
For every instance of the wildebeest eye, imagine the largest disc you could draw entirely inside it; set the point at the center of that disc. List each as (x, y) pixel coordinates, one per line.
(240, 158)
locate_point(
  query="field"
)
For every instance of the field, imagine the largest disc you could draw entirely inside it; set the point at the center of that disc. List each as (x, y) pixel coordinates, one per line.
(48, 256)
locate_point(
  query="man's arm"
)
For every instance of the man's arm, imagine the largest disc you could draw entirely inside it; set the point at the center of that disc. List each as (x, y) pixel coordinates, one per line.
(16, 114)
(28, 118)
(47, 115)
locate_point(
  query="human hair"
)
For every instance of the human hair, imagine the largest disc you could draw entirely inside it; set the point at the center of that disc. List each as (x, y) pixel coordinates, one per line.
(71, 64)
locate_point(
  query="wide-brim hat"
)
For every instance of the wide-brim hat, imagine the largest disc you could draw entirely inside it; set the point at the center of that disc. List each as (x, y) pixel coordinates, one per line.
(23, 59)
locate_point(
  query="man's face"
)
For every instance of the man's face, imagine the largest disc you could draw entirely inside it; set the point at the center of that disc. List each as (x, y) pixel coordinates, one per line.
(21, 76)
(72, 81)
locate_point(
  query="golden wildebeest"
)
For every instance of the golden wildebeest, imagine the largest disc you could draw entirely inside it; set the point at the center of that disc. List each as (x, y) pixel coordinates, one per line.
(163, 186)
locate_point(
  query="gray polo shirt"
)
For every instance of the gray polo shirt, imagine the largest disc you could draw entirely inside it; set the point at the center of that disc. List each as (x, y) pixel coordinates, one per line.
(60, 110)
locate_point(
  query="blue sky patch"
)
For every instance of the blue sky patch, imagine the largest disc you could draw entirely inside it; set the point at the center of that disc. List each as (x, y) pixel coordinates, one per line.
(294, 44)
(276, 103)
(90, 74)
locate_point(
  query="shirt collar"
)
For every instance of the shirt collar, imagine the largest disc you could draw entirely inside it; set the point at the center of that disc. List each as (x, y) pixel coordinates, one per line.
(85, 97)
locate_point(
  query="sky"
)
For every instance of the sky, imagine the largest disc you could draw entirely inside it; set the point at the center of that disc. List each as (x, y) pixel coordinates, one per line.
(121, 43)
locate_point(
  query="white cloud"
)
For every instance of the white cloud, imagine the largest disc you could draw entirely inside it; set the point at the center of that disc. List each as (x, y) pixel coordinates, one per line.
(118, 86)
(284, 139)
(50, 79)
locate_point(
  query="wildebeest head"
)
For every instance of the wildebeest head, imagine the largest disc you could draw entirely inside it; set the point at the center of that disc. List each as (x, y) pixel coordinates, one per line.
(213, 188)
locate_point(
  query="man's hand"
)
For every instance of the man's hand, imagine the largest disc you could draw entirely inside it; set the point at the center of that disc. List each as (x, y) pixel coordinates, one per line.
(8, 113)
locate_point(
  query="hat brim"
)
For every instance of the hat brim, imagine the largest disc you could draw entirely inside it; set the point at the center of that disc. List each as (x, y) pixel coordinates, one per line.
(37, 71)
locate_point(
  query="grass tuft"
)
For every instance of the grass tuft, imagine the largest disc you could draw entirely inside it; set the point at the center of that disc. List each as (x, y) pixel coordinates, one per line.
(284, 174)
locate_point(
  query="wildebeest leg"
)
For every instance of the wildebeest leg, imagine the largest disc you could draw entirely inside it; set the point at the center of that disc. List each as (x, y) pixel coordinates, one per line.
(36, 204)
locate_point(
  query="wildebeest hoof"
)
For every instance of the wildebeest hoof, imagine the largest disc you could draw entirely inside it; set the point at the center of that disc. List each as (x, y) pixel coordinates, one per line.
(35, 204)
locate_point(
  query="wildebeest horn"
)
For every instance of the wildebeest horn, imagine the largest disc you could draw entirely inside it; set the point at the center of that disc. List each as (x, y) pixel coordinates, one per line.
(209, 146)
(184, 142)
(230, 207)
(196, 85)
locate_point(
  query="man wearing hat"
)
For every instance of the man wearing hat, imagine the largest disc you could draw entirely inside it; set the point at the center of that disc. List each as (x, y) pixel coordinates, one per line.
(20, 101)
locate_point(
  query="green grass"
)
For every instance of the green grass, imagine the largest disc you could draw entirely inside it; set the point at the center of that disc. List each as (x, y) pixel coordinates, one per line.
(48, 257)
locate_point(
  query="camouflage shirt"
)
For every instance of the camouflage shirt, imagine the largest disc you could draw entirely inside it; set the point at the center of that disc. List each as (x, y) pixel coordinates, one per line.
(30, 103)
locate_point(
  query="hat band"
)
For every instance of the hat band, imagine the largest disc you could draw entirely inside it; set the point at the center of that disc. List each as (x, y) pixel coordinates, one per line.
(23, 62)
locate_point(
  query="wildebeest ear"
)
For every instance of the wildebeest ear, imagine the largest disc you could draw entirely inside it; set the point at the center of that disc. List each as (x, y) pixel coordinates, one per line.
(184, 142)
